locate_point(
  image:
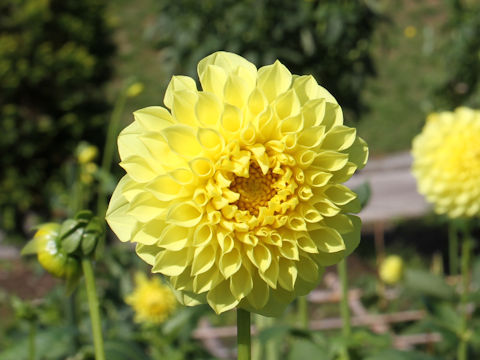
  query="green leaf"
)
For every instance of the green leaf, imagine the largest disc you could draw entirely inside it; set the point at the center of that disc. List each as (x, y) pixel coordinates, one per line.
(400, 355)
(95, 225)
(30, 247)
(89, 241)
(363, 192)
(68, 226)
(84, 216)
(428, 284)
(304, 349)
(122, 350)
(71, 242)
(273, 332)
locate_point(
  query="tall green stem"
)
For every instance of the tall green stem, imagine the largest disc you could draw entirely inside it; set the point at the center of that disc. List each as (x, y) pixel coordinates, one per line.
(31, 340)
(463, 345)
(303, 312)
(344, 308)
(94, 311)
(108, 152)
(243, 335)
(452, 248)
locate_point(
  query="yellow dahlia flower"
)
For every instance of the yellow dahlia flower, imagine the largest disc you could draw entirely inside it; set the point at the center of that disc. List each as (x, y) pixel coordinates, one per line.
(151, 300)
(391, 269)
(446, 162)
(234, 192)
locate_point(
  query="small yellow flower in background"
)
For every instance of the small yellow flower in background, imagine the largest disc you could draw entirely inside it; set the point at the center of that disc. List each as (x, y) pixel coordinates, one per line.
(135, 89)
(446, 162)
(235, 193)
(87, 172)
(86, 153)
(391, 269)
(152, 301)
(410, 31)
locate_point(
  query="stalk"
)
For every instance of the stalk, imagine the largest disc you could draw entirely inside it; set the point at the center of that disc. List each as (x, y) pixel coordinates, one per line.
(31, 340)
(243, 335)
(465, 259)
(93, 307)
(344, 308)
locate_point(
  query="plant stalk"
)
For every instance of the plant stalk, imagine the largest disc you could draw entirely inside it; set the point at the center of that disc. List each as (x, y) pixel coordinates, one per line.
(31, 340)
(344, 307)
(463, 344)
(453, 249)
(243, 335)
(94, 309)
(303, 312)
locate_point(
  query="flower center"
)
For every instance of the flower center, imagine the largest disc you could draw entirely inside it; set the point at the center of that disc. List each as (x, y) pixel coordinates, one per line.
(255, 190)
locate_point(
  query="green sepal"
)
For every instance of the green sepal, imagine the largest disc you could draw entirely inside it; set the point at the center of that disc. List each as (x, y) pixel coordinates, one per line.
(363, 192)
(89, 241)
(84, 216)
(30, 247)
(68, 226)
(94, 226)
(72, 241)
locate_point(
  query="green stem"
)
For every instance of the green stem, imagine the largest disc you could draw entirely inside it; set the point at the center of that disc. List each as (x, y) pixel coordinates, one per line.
(344, 308)
(303, 312)
(453, 248)
(108, 152)
(463, 345)
(243, 335)
(31, 340)
(94, 311)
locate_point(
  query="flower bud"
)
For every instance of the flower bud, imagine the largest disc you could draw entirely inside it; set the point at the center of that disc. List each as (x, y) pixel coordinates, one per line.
(86, 153)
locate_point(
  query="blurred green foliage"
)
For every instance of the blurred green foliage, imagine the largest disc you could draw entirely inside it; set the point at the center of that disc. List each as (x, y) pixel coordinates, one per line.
(329, 39)
(54, 60)
(462, 56)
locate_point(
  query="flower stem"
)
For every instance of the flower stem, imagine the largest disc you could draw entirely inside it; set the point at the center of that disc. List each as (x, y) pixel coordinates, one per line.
(452, 248)
(344, 309)
(243, 334)
(94, 311)
(463, 344)
(31, 340)
(303, 312)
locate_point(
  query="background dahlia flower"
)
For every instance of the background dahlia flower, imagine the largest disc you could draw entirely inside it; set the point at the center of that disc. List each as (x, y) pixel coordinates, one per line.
(152, 301)
(234, 193)
(446, 162)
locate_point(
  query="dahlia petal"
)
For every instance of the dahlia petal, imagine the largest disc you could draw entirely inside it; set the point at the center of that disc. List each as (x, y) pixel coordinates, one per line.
(345, 173)
(307, 269)
(206, 280)
(306, 88)
(236, 91)
(203, 234)
(182, 140)
(311, 137)
(171, 263)
(260, 256)
(241, 283)
(213, 79)
(203, 259)
(165, 188)
(221, 298)
(230, 63)
(287, 105)
(129, 143)
(260, 293)
(147, 252)
(358, 152)
(138, 169)
(287, 274)
(183, 107)
(330, 160)
(274, 80)
(144, 207)
(317, 178)
(210, 140)
(230, 262)
(257, 102)
(117, 215)
(183, 281)
(184, 214)
(232, 120)
(189, 298)
(178, 83)
(291, 124)
(340, 194)
(289, 250)
(339, 138)
(342, 223)
(313, 113)
(208, 109)
(305, 243)
(153, 118)
(270, 276)
(328, 240)
(202, 167)
(149, 233)
(171, 237)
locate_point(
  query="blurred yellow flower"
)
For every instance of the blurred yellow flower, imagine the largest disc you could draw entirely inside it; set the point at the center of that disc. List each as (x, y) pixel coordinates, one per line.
(135, 89)
(86, 153)
(446, 162)
(235, 193)
(87, 172)
(152, 301)
(391, 269)
(410, 31)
